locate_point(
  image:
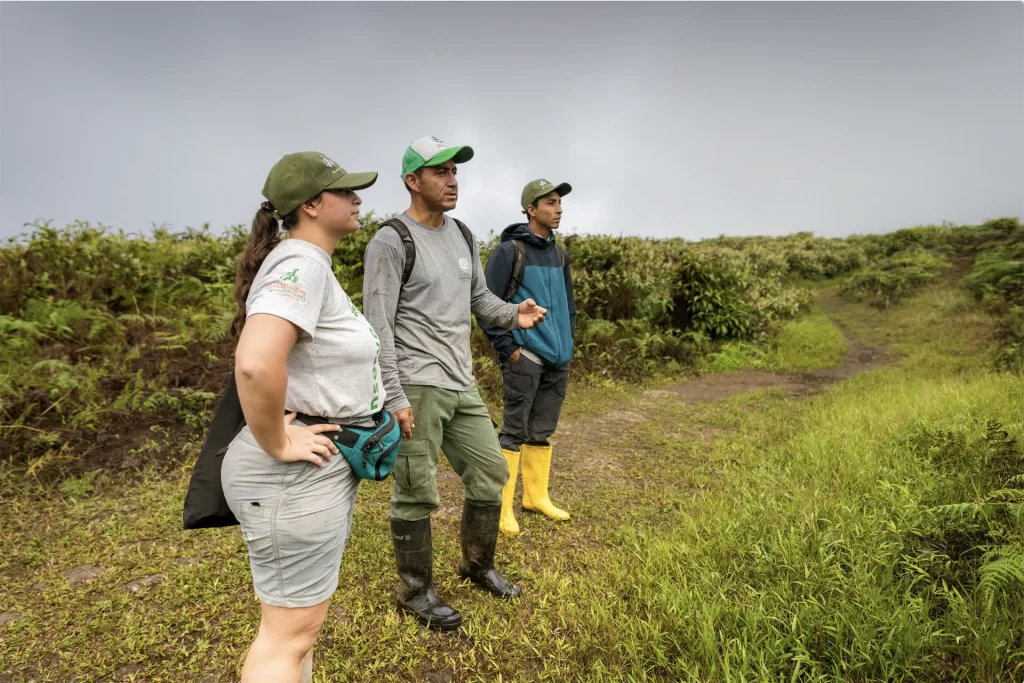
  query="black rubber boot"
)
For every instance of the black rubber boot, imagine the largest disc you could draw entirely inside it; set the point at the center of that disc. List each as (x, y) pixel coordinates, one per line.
(479, 538)
(414, 555)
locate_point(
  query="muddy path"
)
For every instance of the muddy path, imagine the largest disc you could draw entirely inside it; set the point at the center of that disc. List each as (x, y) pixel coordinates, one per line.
(859, 358)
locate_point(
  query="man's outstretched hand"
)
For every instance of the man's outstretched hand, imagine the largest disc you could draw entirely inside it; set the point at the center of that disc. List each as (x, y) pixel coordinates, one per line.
(530, 314)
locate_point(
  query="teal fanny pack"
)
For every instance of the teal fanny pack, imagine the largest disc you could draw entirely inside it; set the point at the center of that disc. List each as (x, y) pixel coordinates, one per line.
(370, 451)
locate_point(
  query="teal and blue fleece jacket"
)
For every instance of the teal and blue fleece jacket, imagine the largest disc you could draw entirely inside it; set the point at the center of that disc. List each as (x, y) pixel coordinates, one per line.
(546, 282)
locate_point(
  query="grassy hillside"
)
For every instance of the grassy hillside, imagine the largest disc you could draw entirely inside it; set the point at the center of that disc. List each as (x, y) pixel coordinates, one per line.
(113, 335)
(838, 496)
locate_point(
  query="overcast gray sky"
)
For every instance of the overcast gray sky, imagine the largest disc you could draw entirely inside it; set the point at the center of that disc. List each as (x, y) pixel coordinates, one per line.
(668, 119)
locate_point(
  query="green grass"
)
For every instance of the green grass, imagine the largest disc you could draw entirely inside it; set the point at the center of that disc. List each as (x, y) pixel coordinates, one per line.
(809, 343)
(733, 357)
(758, 538)
(201, 614)
(792, 564)
(941, 330)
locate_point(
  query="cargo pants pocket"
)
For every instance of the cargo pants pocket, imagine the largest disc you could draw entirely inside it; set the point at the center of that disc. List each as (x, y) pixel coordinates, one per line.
(411, 466)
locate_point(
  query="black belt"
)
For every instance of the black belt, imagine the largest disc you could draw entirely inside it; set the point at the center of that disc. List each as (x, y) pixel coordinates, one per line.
(345, 436)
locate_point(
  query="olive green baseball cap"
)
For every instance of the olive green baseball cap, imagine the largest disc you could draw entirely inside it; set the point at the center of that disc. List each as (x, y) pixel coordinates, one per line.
(431, 151)
(299, 177)
(540, 187)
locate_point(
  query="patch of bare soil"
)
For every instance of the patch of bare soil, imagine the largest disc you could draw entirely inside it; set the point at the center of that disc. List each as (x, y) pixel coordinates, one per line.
(139, 585)
(580, 445)
(859, 358)
(581, 453)
(114, 442)
(82, 574)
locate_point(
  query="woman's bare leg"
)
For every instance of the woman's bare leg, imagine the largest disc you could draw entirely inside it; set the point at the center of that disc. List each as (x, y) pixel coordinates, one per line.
(283, 644)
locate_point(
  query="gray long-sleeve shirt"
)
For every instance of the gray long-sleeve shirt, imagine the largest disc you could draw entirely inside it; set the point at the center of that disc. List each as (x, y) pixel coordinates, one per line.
(424, 327)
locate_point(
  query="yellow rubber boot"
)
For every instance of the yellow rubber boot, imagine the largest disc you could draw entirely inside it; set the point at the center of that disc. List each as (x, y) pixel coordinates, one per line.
(536, 471)
(508, 524)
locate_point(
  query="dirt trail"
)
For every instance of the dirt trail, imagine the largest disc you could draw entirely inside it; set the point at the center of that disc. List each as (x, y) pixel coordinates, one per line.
(576, 441)
(859, 358)
(575, 438)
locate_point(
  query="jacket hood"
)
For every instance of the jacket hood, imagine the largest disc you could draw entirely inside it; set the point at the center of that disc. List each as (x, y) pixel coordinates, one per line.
(521, 231)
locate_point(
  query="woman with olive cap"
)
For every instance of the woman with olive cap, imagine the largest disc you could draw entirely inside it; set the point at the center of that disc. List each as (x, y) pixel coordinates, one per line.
(303, 349)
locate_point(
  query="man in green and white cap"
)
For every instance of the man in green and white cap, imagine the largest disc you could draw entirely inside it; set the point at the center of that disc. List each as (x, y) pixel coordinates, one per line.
(422, 284)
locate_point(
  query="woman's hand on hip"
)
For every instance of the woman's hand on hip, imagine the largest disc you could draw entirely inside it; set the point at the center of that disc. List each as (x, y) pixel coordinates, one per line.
(307, 443)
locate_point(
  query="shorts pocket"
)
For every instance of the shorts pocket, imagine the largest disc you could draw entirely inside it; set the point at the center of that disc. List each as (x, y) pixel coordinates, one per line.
(257, 525)
(301, 471)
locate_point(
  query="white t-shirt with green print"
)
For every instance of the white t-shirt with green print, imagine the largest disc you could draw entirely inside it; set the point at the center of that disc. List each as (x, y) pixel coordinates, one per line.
(333, 369)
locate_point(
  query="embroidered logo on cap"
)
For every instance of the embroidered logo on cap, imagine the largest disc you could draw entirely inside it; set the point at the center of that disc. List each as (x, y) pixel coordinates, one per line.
(330, 164)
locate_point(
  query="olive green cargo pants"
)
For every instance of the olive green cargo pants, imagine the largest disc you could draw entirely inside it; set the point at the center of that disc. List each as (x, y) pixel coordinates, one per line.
(458, 423)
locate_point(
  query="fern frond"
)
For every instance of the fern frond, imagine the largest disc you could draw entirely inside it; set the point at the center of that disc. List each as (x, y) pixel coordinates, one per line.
(1007, 496)
(220, 326)
(10, 324)
(1015, 481)
(1001, 571)
(961, 511)
(155, 319)
(132, 318)
(51, 365)
(172, 347)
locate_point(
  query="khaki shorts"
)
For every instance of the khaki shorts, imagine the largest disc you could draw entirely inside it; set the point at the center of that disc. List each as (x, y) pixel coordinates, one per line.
(295, 519)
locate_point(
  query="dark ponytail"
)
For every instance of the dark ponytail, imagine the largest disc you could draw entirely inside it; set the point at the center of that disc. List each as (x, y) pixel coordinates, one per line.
(264, 236)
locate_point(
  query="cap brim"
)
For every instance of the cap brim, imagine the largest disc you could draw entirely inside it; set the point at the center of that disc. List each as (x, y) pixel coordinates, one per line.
(459, 155)
(562, 190)
(354, 181)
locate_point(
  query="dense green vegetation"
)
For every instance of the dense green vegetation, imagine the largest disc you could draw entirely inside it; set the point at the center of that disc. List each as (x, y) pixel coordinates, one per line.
(104, 328)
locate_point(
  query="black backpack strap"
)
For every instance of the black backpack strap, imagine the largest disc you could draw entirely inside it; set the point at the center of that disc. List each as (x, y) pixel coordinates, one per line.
(563, 255)
(410, 247)
(518, 266)
(466, 234)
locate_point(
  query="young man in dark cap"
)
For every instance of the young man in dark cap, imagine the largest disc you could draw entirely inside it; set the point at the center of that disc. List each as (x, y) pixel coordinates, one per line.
(422, 283)
(528, 264)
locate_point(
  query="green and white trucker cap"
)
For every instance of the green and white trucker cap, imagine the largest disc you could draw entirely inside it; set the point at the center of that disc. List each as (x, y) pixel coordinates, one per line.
(431, 151)
(299, 177)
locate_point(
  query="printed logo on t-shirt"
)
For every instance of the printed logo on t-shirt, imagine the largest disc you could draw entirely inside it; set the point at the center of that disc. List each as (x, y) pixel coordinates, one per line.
(287, 290)
(375, 402)
(292, 276)
(464, 264)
